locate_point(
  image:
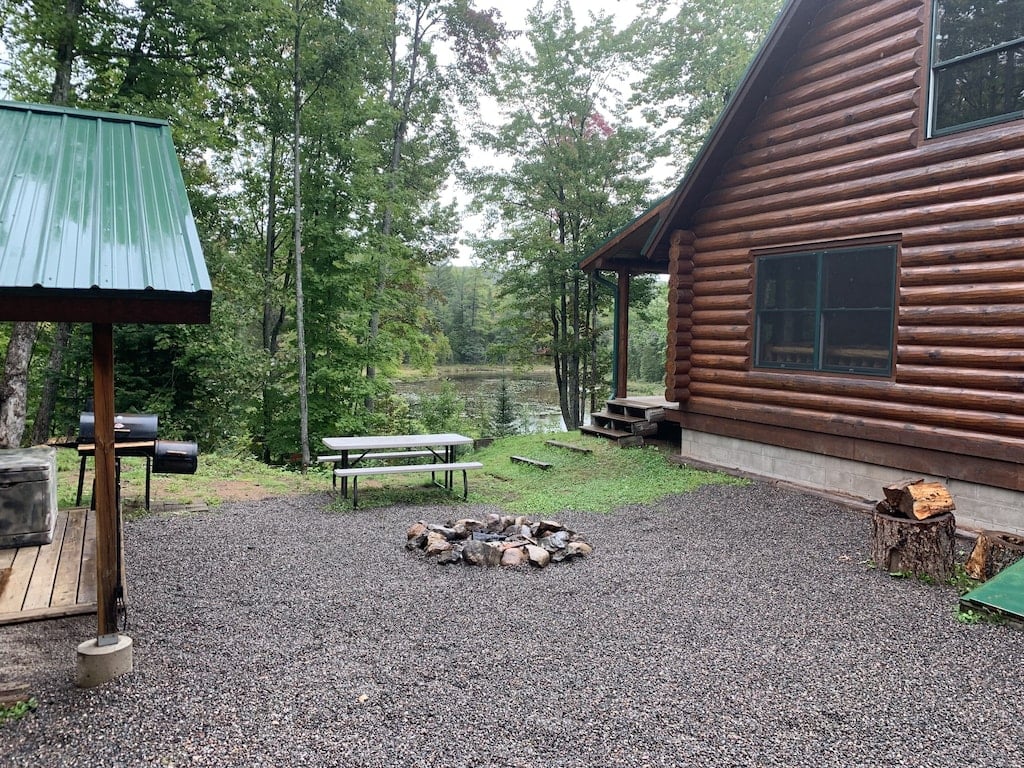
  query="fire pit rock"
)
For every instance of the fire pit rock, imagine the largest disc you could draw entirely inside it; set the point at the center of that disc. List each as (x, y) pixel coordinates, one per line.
(497, 540)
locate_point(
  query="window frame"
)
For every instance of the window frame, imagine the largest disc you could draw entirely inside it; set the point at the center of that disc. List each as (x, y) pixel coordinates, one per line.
(821, 255)
(935, 66)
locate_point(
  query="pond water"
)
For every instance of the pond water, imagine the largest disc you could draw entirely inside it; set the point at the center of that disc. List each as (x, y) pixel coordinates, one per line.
(534, 394)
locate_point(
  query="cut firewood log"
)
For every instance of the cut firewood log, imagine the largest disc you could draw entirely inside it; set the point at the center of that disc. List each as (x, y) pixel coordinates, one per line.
(993, 551)
(893, 493)
(918, 547)
(919, 500)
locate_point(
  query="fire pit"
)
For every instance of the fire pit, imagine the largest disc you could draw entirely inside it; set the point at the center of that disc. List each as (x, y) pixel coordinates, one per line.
(497, 540)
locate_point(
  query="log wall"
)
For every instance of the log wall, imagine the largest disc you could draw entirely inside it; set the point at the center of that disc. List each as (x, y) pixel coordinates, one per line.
(838, 151)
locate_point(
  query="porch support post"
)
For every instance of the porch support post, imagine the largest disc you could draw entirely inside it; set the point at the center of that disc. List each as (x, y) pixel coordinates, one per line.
(107, 556)
(622, 334)
(109, 654)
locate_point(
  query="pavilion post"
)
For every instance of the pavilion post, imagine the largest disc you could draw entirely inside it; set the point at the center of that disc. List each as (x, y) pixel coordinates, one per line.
(108, 557)
(109, 654)
(622, 334)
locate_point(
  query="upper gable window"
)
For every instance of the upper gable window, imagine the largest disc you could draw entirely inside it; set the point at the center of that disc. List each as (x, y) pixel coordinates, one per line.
(977, 63)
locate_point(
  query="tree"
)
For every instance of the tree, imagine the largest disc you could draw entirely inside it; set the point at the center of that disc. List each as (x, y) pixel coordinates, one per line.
(415, 85)
(577, 170)
(693, 55)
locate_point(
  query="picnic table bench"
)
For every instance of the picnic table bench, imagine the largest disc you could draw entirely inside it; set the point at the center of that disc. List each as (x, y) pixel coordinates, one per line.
(351, 452)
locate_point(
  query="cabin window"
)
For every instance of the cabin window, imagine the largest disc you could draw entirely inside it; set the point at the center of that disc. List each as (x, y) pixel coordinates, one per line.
(977, 63)
(826, 310)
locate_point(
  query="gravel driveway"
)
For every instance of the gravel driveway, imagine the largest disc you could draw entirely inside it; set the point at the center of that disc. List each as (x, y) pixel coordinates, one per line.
(734, 626)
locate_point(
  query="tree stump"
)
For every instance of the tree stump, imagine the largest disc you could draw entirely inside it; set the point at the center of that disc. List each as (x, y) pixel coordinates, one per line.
(993, 551)
(920, 547)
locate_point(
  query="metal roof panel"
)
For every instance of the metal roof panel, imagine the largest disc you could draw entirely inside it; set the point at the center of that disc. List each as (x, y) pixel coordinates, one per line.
(93, 205)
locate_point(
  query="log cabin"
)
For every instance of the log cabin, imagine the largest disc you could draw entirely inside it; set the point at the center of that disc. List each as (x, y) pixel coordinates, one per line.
(845, 257)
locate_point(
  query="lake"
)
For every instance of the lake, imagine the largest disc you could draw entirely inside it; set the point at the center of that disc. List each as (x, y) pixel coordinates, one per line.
(534, 394)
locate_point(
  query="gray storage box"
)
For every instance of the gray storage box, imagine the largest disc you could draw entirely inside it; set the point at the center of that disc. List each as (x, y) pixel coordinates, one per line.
(28, 496)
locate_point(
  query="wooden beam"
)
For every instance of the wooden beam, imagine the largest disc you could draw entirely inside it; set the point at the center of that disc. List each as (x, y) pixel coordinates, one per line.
(107, 513)
(622, 361)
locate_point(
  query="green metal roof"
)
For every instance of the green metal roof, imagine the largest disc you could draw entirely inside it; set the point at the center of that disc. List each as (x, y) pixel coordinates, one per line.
(95, 225)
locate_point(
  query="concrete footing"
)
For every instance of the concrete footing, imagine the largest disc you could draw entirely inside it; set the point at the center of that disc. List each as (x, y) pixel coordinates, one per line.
(98, 664)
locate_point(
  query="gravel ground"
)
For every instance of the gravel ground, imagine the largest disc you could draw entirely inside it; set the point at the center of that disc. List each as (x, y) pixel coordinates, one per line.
(734, 626)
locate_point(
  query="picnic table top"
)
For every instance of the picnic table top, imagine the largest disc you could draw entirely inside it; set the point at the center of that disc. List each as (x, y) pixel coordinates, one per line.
(376, 442)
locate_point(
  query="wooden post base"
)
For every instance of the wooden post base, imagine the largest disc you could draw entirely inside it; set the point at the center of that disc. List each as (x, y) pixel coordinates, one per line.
(920, 547)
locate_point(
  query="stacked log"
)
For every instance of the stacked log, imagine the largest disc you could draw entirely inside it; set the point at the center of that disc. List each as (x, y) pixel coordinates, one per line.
(913, 530)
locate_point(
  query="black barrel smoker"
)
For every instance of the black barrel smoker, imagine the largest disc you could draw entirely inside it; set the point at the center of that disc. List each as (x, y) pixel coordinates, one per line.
(135, 434)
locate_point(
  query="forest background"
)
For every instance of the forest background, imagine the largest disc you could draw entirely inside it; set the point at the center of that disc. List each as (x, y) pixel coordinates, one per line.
(326, 147)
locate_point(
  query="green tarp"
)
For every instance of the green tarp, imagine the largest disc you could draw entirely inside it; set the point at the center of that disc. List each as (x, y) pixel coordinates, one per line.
(1004, 592)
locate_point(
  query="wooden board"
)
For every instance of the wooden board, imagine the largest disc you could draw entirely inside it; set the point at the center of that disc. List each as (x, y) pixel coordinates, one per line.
(69, 569)
(87, 586)
(568, 446)
(18, 580)
(532, 462)
(40, 588)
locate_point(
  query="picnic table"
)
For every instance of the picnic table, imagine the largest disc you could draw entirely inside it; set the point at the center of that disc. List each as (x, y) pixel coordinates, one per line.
(432, 453)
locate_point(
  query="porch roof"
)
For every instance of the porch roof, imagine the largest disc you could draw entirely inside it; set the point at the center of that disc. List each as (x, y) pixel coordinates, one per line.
(630, 249)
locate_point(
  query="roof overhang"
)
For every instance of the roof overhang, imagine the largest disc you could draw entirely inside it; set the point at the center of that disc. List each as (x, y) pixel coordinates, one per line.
(66, 306)
(95, 223)
(632, 248)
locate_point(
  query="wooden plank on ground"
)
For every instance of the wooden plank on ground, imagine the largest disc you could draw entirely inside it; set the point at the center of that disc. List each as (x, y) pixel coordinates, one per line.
(531, 462)
(7, 557)
(65, 586)
(17, 582)
(40, 589)
(47, 613)
(568, 446)
(87, 577)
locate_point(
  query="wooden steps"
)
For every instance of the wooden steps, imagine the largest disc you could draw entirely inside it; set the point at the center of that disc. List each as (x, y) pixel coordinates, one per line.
(626, 420)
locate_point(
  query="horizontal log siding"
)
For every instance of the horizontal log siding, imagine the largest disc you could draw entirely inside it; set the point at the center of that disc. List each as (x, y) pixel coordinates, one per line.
(837, 151)
(680, 322)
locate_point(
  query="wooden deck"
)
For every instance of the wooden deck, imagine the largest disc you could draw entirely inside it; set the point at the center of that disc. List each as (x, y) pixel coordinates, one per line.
(58, 579)
(51, 580)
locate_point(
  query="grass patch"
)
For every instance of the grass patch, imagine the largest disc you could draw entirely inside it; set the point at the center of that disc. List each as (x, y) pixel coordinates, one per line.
(607, 478)
(601, 481)
(218, 479)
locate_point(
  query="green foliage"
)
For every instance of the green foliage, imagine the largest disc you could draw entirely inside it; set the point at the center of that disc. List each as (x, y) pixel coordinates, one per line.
(961, 581)
(573, 174)
(442, 412)
(506, 414)
(648, 338)
(693, 56)
(11, 712)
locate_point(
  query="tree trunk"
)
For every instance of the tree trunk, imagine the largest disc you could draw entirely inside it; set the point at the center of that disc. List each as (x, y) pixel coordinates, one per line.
(397, 147)
(299, 311)
(273, 317)
(918, 547)
(44, 414)
(14, 386)
(65, 53)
